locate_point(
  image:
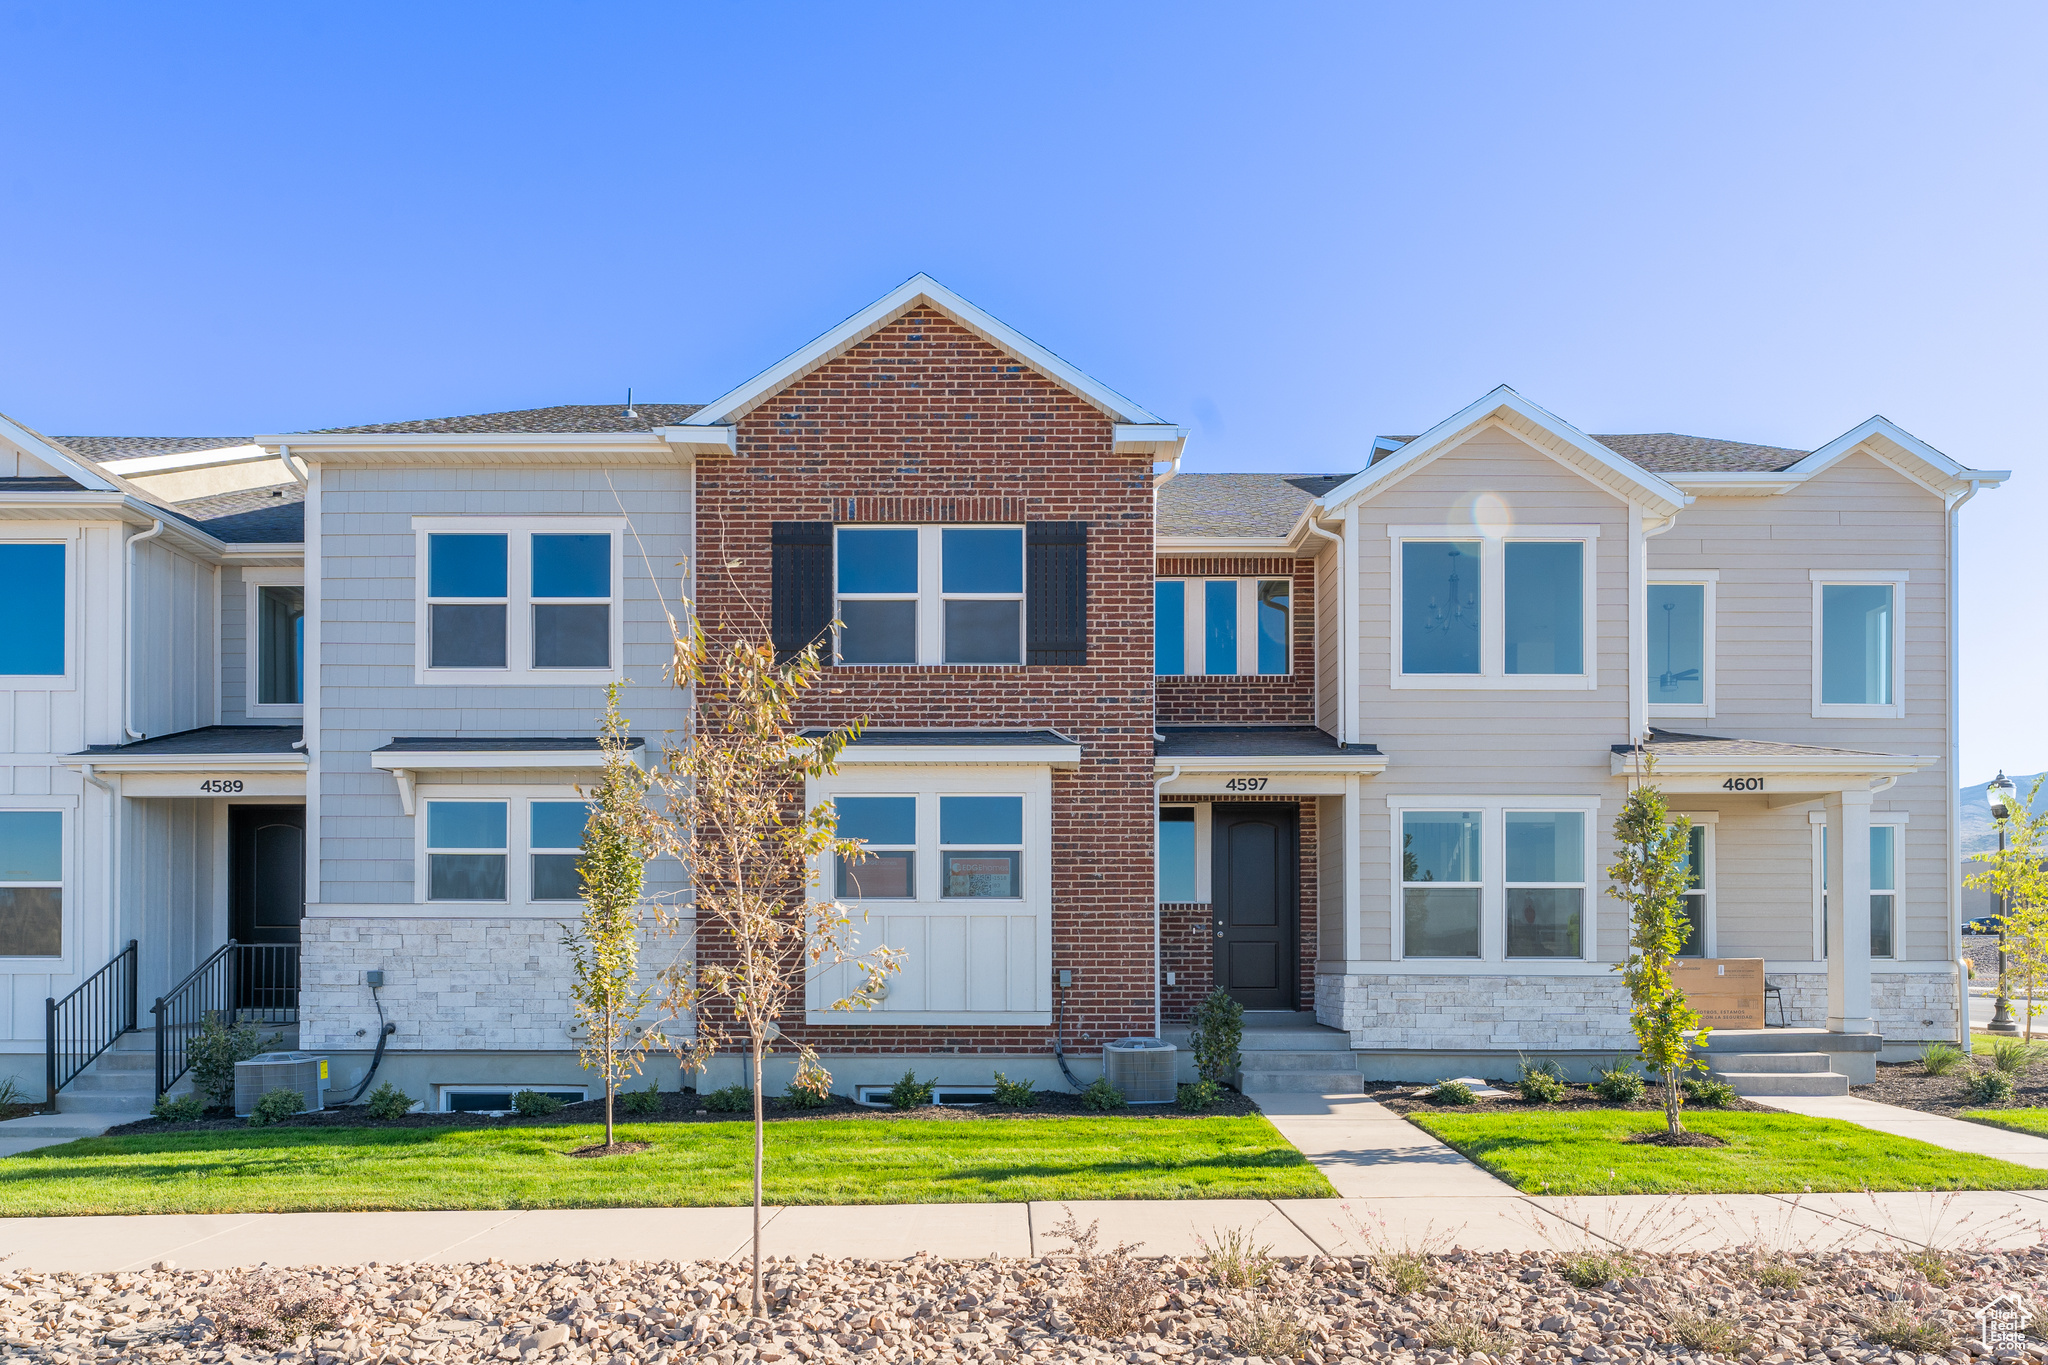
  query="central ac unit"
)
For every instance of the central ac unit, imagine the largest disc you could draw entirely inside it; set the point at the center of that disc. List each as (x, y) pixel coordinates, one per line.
(1143, 1068)
(305, 1072)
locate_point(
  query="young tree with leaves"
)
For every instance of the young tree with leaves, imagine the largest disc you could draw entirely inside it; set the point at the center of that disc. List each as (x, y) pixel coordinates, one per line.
(732, 787)
(604, 949)
(1650, 878)
(2017, 874)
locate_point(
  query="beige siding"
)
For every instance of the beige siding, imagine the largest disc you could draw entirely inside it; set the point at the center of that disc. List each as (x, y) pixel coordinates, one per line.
(1329, 639)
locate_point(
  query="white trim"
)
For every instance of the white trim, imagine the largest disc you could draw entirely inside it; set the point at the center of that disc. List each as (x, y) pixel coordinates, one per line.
(460, 760)
(57, 457)
(1895, 579)
(252, 580)
(73, 542)
(1493, 675)
(919, 289)
(1708, 580)
(1492, 884)
(519, 601)
(865, 755)
(188, 763)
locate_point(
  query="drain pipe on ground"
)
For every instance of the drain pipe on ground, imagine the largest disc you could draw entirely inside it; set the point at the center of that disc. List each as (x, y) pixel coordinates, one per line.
(1158, 966)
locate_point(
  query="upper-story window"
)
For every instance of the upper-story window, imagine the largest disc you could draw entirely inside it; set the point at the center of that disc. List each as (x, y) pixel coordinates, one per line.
(1221, 626)
(1678, 644)
(275, 613)
(31, 883)
(930, 594)
(32, 616)
(518, 600)
(1858, 648)
(1493, 611)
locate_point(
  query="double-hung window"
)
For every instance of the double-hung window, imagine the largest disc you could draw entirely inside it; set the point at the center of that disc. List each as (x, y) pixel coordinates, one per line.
(930, 594)
(1678, 644)
(524, 600)
(31, 883)
(1442, 874)
(1222, 627)
(981, 846)
(1546, 883)
(466, 850)
(887, 829)
(1509, 610)
(32, 612)
(555, 849)
(1858, 649)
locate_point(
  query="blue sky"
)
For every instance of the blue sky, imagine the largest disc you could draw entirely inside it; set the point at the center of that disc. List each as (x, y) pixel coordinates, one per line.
(1289, 226)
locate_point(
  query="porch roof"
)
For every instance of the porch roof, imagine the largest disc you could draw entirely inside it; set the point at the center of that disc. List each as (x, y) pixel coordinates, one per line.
(1706, 758)
(209, 742)
(1196, 749)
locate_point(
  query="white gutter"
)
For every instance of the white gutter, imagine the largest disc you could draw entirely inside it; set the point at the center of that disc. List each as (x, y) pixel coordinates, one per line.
(1955, 796)
(1158, 964)
(291, 466)
(1160, 481)
(128, 631)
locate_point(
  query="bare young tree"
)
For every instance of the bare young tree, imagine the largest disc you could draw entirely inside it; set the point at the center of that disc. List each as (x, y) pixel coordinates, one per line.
(731, 787)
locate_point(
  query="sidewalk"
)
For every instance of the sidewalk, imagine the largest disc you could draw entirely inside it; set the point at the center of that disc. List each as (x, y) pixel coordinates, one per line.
(1958, 1135)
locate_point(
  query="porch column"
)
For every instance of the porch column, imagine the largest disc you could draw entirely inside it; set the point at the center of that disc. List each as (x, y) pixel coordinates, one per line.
(1848, 874)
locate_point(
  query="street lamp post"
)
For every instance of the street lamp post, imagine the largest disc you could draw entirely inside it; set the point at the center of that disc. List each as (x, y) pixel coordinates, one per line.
(1999, 792)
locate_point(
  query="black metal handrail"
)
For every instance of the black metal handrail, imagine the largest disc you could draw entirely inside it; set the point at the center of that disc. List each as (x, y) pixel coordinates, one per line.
(85, 1023)
(254, 983)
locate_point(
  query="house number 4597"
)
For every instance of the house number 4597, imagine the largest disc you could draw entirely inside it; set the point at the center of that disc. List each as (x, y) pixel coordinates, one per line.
(1244, 784)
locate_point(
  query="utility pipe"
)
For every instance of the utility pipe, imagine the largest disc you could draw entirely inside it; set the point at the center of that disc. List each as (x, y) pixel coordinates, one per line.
(128, 633)
(1158, 966)
(1344, 663)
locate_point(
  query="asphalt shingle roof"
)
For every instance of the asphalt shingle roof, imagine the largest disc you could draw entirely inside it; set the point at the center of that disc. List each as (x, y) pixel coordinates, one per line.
(575, 417)
(1238, 504)
(98, 448)
(254, 516)
(1716, 746)
(1664, 452)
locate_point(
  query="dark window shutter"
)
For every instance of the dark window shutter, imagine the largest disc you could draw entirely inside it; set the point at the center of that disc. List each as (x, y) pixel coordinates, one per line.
(801, 601)
(1056, 592)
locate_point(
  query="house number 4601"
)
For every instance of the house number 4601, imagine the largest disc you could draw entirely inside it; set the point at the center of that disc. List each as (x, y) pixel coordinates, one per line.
(1743, 784)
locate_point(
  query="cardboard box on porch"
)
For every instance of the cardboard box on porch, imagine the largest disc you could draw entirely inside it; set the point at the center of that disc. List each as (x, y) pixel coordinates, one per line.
(1728, 992)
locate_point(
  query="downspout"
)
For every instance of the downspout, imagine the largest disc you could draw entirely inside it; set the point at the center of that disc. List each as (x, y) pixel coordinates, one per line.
(284, 456)
(1158, 965)
(128, 633)
(1955, 799)
(1342, 591)
(114, 803)
(1160, 481)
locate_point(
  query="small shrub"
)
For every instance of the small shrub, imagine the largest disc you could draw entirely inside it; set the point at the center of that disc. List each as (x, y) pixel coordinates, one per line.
(387, 1101)
(1015, 1094)
(1698, 1332)
(183, 1109)
(1406, 1272)
(1540, 1083)
(1266, 1330)
(2014, 1056)
(1591, 1269)
(276, 1106)
(1115, 1292)
(1989, 1087)
(1465, 1339)
(1938, 1059)
(274, 1309)
(1102, 1097)
(12, 1094)
(910, 1092)
(533, 1104)
(642, 1102)
(808, 1090)
(730, 1099)
(213, 1051)
(1903, 1329)
(1709, 1093)
(1931, 1265)
(1620, 1083)
(1213, 1036)
(1235, 1261)
(1193, 1099)
(1452, 1092)
(1778, 1274)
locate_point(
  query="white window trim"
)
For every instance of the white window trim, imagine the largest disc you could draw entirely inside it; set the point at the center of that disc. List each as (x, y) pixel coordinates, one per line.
(1710, 579)
(67, 681)
(1493, 674)
(68, 918)
(253, 580)
(518, 533)
(1493, 927)
(1896, 580)
(931, 595)
(1034, 784)
(1710, 929)
(518, 850)
(1896, 821)
(1204, 813)
(1194, 626)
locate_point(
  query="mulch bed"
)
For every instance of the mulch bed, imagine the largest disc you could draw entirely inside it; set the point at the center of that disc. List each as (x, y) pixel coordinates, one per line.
(1908, 1085)
(688, 1107)
(1666, 1138)
(1410, 1099)
(611, 1149)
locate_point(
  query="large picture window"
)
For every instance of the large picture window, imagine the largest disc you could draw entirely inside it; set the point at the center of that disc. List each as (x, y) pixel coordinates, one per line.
(1440, 606)
(1510, 611)
(1678, 645)
(518, 600)
(930, 594)
(1441, 877)
(32, 610)
(31, 883)
(1222, 627)
(1856, 650)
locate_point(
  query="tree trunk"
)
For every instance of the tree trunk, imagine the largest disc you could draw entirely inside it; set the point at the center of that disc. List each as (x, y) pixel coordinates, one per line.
(760, 1305)
(609, 1083)
(1671, 1102)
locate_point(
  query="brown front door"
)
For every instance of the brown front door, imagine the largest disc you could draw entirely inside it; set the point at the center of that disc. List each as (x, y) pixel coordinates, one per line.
(1253, 852)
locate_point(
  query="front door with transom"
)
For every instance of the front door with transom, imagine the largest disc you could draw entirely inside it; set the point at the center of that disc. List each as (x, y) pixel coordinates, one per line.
(1254, 851)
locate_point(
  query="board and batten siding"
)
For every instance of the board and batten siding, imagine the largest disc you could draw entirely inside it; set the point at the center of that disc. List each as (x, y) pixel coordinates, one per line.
(1470, 742)
(1857, 516)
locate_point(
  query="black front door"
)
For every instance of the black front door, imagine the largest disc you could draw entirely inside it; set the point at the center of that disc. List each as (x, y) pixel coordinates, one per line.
(1253, 855)
(267, 873)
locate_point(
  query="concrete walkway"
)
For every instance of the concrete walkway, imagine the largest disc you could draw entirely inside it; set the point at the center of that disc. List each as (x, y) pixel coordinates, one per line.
(31, 1131)
(1958, 1135)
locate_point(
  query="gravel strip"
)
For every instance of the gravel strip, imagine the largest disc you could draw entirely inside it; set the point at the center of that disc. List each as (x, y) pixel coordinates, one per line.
(1500, 1309)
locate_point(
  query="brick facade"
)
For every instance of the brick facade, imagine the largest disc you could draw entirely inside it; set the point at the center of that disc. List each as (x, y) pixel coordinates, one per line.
(1289, 700)
(924, 421)
(1186, 942)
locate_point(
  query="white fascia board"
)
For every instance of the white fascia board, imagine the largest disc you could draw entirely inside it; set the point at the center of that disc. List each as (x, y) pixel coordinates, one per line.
(55, 456)
(1730, 484)
(1776, 765)
(1159, 440)
(1911, 456)
(189, 459)
(458, 760)
(1350, 762)
(506, 447)
(289, 551)
(190, 763)
(920, 288)
(960, 756)
(1603, 466)
(698, 440)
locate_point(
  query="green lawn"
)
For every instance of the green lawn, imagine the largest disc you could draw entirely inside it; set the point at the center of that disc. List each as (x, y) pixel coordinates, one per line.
(827, 1161)
(2033, 1121)
(1583, 1153)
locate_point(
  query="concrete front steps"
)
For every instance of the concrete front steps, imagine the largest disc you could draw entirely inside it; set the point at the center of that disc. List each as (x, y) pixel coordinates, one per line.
(1292, 1054)
(1761, 1063)
(121, 1080)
